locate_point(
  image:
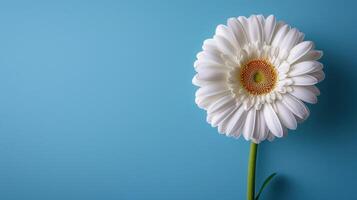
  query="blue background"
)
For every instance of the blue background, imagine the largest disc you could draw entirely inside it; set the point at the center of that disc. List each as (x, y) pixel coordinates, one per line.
(97, 103)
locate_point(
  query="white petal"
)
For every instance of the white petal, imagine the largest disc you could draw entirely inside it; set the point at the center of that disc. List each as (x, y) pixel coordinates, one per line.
(248, 128)
(224, 45)
(205, 102)
(319, 75)
(304, 80)
(210, 57)
(284, 67)
(220, 116)
(299, 51)
(201, 64)
(203, 68)
(290, 39)
(288, 42)
(313, 89)
(304, 93)
(211, 90)
(208, 60)
(198, 82)
(285, 82)
(245, 24)
(311, 55)
(296, 106)
(272, 120)
(236, 122)
(238, 31)
(261, 19)
(223, 31)
(222, 126)
(269, 28)
(209, 45)
(221, 104)
(280, 35)
(260, 130)
(210, 93)
(305, 68)
(285, 116)
(255, 30)
(211, 74)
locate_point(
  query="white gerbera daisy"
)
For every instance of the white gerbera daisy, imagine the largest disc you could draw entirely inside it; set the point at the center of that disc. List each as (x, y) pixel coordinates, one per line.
(254, 75)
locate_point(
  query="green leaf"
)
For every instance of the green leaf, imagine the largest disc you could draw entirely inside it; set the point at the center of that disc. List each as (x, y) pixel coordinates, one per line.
(266, 182)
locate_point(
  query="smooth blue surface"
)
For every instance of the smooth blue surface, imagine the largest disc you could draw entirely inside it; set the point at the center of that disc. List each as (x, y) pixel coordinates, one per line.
(97, 103)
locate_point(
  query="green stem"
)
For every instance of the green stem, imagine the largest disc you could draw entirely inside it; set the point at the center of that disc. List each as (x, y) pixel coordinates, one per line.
(251, 171)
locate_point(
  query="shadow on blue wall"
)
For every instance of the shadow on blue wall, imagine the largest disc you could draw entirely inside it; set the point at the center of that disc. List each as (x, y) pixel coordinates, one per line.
(339, 92)
(280, 188)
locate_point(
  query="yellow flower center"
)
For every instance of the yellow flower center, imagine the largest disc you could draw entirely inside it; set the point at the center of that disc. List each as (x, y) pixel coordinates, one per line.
(258, 77)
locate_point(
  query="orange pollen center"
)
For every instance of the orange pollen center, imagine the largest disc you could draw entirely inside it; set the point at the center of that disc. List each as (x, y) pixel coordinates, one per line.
(258, 77)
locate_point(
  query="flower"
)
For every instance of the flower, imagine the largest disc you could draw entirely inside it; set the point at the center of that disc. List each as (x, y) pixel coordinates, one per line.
(254, 75)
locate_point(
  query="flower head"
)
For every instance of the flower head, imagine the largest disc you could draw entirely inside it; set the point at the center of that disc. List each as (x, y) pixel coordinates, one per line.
(254, 75)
